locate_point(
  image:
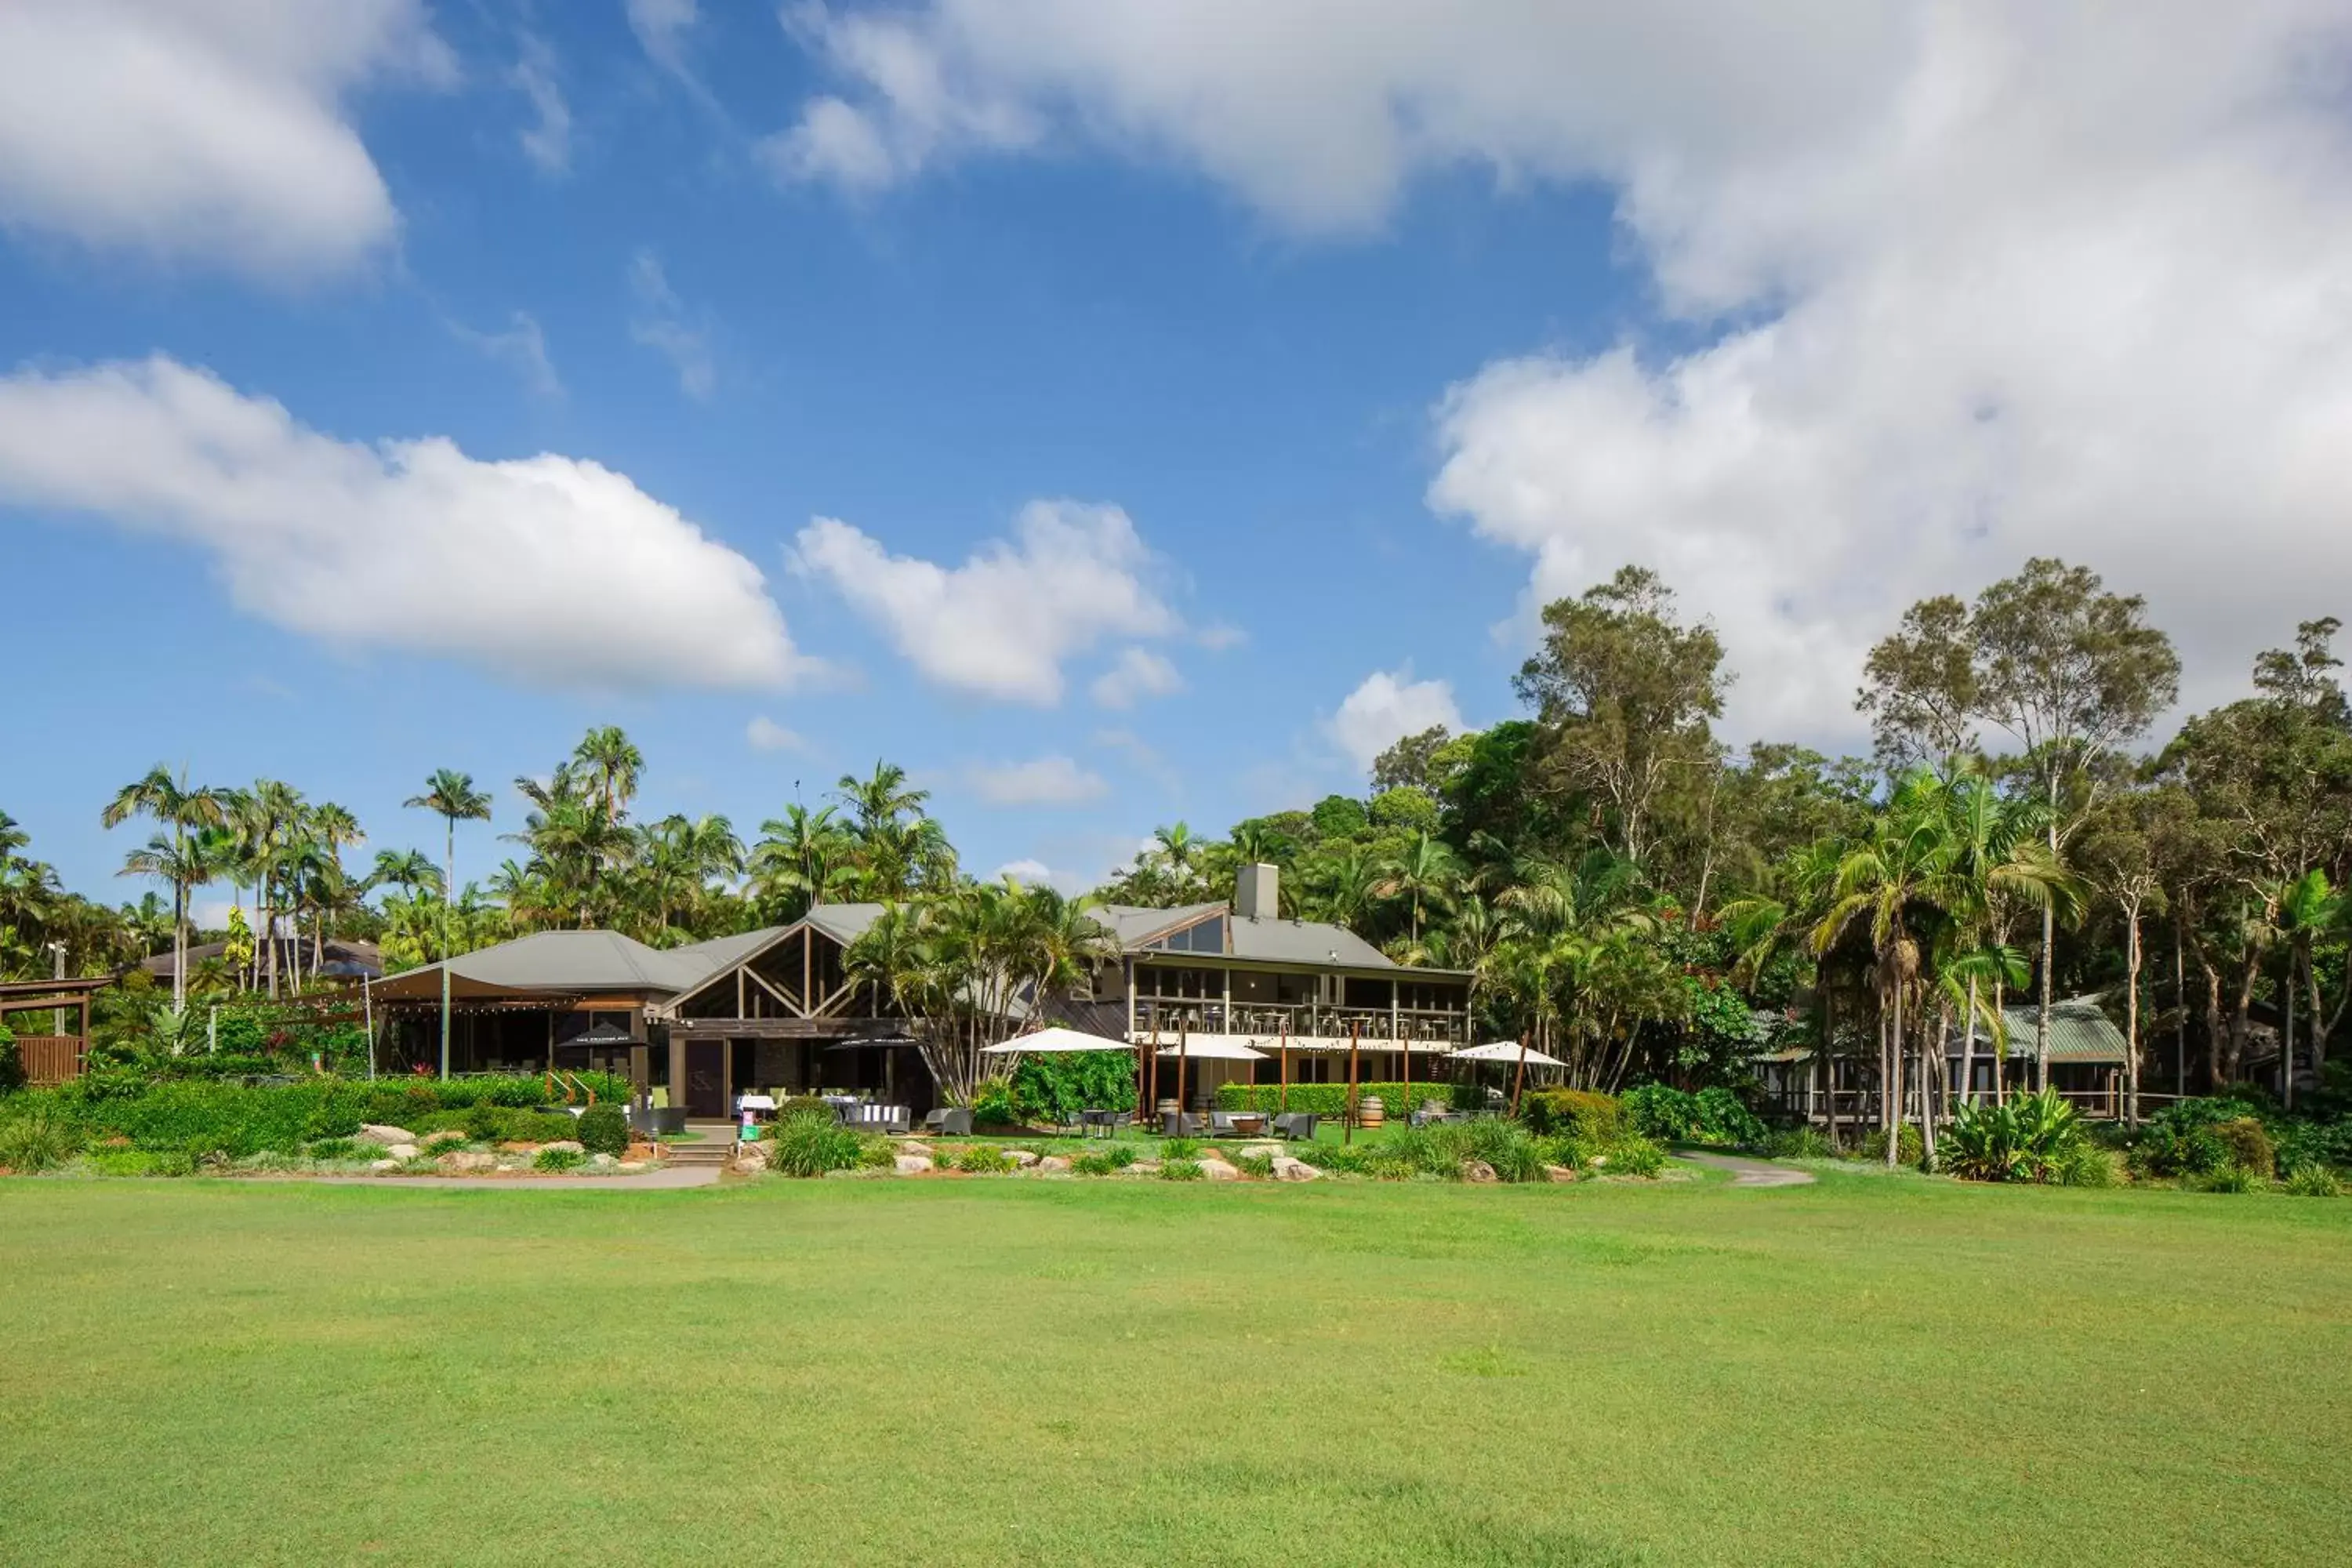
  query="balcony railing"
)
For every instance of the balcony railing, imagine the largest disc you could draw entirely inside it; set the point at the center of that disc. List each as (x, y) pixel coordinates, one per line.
(1172, 1016)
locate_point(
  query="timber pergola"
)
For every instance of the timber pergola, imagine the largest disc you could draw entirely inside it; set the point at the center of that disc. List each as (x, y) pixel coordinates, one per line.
(53, 1058)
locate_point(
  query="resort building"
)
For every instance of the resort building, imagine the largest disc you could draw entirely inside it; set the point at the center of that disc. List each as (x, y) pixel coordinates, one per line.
(776, 1011)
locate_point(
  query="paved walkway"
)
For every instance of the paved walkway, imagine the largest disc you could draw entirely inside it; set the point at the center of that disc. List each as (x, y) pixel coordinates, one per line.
(1747, 1173)
(642, 1182)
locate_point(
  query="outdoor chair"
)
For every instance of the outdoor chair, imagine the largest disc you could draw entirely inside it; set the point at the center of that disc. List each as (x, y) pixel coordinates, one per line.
(1221, 1124)
(948, 1122)
(1295, 1126)
(1177, 1124)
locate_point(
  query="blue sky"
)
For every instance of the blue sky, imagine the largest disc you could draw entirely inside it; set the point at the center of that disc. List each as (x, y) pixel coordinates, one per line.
(1274, 370)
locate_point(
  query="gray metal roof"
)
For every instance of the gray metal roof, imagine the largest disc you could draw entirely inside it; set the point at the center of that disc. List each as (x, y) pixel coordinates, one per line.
(566, 961)
(1135, 924)
(845, 923)
(2079, 1031)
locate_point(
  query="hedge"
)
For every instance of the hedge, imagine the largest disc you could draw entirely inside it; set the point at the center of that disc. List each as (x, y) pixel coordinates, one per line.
(1331, 1099)
(209, 1117)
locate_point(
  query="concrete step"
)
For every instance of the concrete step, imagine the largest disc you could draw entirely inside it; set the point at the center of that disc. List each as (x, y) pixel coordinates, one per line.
(709, 1152)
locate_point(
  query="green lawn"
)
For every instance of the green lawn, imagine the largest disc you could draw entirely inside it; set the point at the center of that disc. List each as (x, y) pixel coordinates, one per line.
(1873, 1371)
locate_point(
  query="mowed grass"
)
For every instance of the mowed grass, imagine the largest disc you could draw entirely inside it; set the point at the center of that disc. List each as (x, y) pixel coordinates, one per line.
(1870, 1371)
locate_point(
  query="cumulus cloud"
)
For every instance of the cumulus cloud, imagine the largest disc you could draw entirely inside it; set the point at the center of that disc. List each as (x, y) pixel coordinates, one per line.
(1387, 707)
(764, 734)
(210, 130)
(1046, 781)
(1003, 623)
(1138, 673)
(547, 140)
(663, 324)
(1967, 279)
(552, 569)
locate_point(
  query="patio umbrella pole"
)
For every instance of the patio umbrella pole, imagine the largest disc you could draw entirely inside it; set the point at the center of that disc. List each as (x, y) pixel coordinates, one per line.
(1355, 1049)
(1285, 1100)
(1184, 1049)
(1519, 1079)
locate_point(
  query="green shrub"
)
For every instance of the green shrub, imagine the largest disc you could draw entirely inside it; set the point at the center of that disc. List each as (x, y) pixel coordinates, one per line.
(1572, 1113)
(799, 1103)
(445, 1142)
(604, 1130)
(1331, 1099)
(1098, 1164)
(1723, 1118)
(1180, 1171)
(1180, 1149)
(1909, 1148)
(983, 1159)
(2171, 1149)
(1055, 1088)
(2086, 1166)
(558, 1160)
(877, 1153)
(487, 1123)
(12, 1065)
(339, 1149)
(992, 1106)
(1342, 1159)
(809, 1144)
(122, 1161)
(1258, 1166)
(2231, 1179)
(37, 1140)
(1662, 1112)
(1120, 1156)
(2314, 1181)
(2248, 1145)
(1799, 1143)
(2031, 1138)
(1632, 1155)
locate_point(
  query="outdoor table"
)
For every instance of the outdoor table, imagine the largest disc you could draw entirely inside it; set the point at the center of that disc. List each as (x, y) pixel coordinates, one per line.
(1105, 1120)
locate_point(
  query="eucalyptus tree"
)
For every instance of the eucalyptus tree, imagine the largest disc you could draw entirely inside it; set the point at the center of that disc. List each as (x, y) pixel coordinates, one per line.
(181, 808)
(450, 795)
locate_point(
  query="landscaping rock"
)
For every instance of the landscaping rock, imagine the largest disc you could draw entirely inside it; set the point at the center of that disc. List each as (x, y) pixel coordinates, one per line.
(1286, 1168)
(913, 1165)
(629, 1165)
(1022, 1158)
(1144, 1168)
(1220, 1171)
(466, 1162)
(1271, 1150)
(379, 1166)
(914, 1146)
(569, 1146)
(1054, 1165)
(1559, 1174)
(749, 1158)
(398, 1151)
(371, 1132)
(609, 1162)
(1479, 1172)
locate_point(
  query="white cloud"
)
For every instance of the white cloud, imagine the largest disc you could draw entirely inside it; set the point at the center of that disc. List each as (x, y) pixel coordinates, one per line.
(1036, 873)
(661, 26)
(662, 324)
(211, 130)
(765, 734)
(1002, 622)
(1046, 781)
(1387, 707)
(522, 348)
(547, 140)
(552, 569)
(1220, 637)
(1970, 280)
(1137, 673)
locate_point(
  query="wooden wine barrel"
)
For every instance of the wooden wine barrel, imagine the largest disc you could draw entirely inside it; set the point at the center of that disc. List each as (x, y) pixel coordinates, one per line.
(1369, 1111)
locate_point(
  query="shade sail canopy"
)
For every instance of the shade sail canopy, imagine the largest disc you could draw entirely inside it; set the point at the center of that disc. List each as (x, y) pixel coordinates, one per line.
(1507, 1051)
(1055, 1041)
(1214, 1048)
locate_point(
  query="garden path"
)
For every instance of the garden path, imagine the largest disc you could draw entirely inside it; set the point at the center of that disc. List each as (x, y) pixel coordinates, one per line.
(1747, 1173)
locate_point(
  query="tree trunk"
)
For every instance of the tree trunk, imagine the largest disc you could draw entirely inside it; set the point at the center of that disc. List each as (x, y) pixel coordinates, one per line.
(179, 924)
(2000, 1040)
(2180, 1023)
(2041, 1019)
(2286, 1037)
(1969, 1049)
(448, 896)
(2131, 1018)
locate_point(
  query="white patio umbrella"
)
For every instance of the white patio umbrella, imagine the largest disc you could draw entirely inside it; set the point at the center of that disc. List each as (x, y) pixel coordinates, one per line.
(1518, 1051)
(1214, 1048)
(1507, 1051)
(1055, 1041)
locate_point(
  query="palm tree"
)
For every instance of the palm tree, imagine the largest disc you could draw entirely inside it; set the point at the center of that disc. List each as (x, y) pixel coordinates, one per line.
(613, 762)
(171, 803)
(407, 869)
(1428, 870)
(450, 795)
(800, 859)
(270, 817)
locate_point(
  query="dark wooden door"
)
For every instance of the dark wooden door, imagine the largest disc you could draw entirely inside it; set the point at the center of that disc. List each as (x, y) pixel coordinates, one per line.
(706, 1078)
